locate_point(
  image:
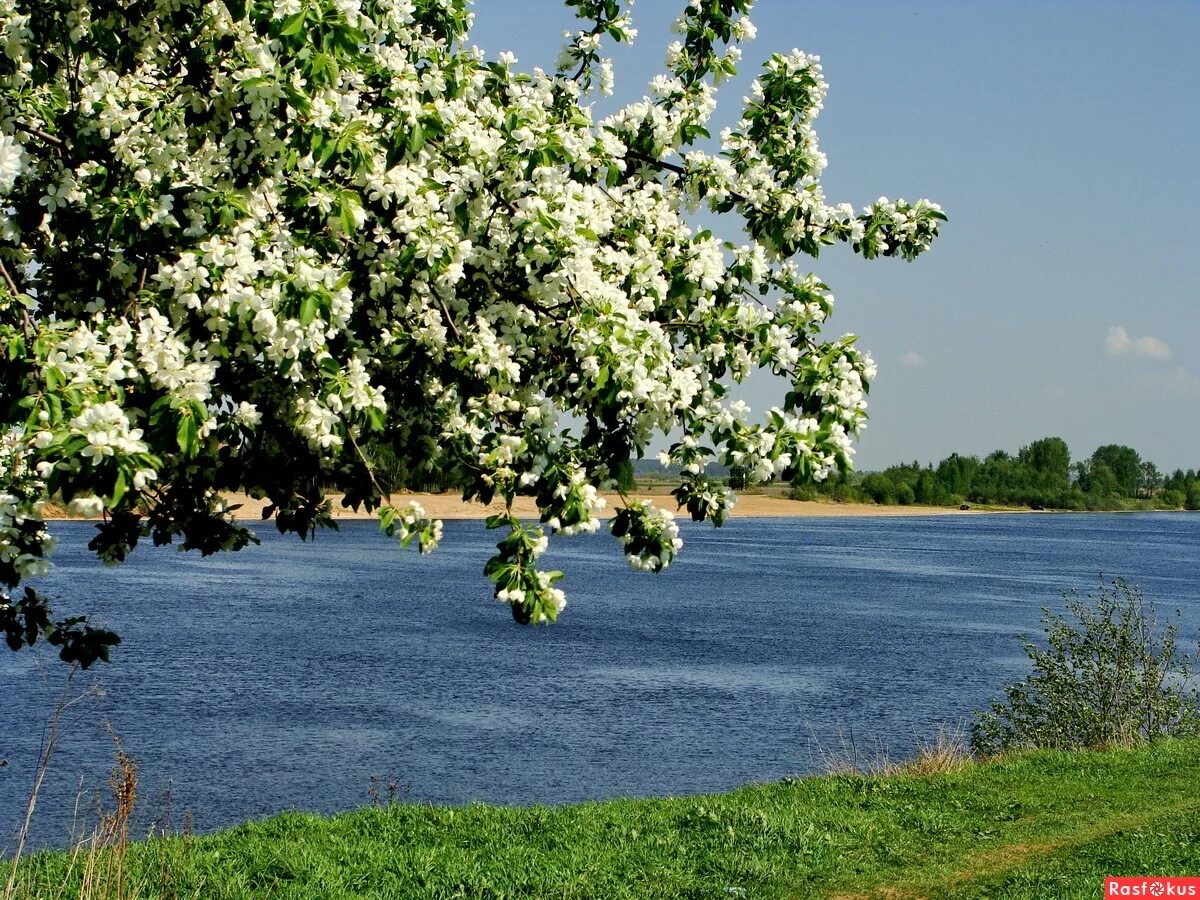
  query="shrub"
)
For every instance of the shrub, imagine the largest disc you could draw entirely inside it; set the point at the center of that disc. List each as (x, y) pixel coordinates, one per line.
(1108, 674)
(1170, 500)
(803, 492)
(878, 487)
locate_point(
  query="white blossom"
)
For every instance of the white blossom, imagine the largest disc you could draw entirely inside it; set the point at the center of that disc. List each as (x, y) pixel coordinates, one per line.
(12, 163)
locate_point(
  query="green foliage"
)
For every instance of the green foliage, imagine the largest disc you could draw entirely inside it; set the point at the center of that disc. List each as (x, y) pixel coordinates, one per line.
(1107, 674)
(1041, 474)
(957, 472)
(879, 488)
(1193, 496)
(1098, 480)
(1172, 499)
(1049, 824)
(1150, 479)
(24, 620)
(1049, 456)
(1124, 464)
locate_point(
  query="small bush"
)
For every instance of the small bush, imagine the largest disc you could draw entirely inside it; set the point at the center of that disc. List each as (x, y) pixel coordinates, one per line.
(945, 752)
(1107, 675)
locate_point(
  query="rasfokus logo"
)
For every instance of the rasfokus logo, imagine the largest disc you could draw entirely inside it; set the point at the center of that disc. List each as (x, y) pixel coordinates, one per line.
(1151, 886)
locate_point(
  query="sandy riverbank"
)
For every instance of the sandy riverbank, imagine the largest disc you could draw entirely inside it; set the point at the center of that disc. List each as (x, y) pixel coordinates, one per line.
(451, 506)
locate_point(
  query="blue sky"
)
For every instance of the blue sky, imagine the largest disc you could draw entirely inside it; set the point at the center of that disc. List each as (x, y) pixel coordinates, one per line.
(1062, 138)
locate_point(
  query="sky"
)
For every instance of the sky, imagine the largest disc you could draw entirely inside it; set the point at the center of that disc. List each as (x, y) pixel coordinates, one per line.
(1062, 137)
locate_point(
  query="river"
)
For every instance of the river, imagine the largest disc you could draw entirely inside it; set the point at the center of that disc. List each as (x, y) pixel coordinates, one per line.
(289, 674)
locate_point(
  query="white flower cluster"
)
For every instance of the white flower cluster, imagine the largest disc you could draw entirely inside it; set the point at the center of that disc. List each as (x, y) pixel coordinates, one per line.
(546, 592)
(166, 362)
(580, 58)
(530, 592)
(106, 429)
(411, 523)
(911, 226)
(649, 536)
(845, 388)
(25, 544)
(581, 505)
(12, 163)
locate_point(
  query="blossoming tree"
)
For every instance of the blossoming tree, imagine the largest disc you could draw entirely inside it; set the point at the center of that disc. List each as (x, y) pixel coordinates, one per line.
(243, 240)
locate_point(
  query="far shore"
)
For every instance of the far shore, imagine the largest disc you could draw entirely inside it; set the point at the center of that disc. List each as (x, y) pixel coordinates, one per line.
(760, 504)
(451, 506)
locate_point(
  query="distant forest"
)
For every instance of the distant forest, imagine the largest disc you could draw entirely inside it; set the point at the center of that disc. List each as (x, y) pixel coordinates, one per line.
(1039, 475)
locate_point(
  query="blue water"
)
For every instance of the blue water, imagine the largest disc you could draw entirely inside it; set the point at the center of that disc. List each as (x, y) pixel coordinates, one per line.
(286, 675)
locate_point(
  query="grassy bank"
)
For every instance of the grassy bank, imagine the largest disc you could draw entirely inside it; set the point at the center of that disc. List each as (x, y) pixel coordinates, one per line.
(1037, 826)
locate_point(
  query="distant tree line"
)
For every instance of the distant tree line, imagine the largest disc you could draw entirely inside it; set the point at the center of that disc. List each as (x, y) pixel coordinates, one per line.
(1039, 475)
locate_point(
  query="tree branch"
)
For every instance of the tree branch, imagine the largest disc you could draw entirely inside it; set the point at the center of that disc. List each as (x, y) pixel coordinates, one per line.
(387, 495)
(12, 286)
(672, 167)
(449, 318)
(38, 133)
(651, 161)
(26, 322)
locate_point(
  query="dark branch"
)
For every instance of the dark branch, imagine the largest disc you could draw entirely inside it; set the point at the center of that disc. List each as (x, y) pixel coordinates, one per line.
(672, 167)
(38, 133)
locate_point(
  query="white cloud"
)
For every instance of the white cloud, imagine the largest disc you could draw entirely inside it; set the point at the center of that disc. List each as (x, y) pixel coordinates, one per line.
(912, 360)
(1120, 343)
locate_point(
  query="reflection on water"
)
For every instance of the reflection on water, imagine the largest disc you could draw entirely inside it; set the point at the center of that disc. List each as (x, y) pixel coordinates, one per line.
(287, 675)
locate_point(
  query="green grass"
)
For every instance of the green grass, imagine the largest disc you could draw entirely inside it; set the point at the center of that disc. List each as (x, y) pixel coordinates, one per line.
(1043, 825)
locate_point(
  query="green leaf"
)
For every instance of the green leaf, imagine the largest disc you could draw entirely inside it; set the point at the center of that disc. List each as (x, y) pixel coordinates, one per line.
(308, 309)
(119, 489)
(293, 24)
(416, 139)
(188, 434)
